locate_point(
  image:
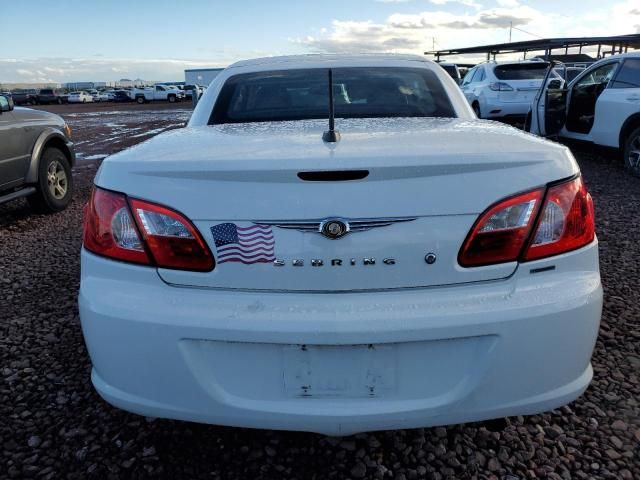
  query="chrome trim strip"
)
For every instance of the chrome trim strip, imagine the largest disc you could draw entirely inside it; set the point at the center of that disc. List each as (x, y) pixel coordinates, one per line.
(353, 225)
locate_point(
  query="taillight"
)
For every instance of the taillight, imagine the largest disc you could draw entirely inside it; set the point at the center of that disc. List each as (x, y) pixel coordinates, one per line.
(109, 229)
(172, 239)
(502, 231)
(500, 87)
(142, 232)
(566, 222)
(513, 230)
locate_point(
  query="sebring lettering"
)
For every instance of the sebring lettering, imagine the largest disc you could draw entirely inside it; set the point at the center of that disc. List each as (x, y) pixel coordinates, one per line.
(334, 262)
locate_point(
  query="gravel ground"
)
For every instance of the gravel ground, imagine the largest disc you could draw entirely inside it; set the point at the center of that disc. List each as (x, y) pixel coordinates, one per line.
(54, 425)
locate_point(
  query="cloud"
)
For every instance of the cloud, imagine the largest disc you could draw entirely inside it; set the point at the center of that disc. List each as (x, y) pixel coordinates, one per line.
(466, 3)
(415, 33)
(439, 28)
(60, 70)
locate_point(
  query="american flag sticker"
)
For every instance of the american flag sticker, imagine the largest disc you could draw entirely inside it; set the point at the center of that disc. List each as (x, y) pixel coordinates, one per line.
(248, 245)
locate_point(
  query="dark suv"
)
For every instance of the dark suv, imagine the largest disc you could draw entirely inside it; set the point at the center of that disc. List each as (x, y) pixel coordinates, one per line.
(25, 97)
(36, 157)
(51, 95)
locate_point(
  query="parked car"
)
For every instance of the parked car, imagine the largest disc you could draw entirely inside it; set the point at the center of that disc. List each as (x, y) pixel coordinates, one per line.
(36, 157)
(503, 90)
(105, 96)
(121, 96)
(159, 92)
(189, 90)
(452, 70)
(25, 97)
(401, 265)
(601, 106)
(51, 95)
(80, 97)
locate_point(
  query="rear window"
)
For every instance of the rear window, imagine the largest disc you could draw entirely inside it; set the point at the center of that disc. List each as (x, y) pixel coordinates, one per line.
(521, 71)
(46, 91)
(358, 93)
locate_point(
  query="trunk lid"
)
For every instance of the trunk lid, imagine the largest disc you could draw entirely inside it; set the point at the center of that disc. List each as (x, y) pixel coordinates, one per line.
(525, 78)
(424, 181)
(523, 91)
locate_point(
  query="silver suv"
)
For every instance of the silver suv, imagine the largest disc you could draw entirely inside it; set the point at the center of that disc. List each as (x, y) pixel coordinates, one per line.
(36, 157)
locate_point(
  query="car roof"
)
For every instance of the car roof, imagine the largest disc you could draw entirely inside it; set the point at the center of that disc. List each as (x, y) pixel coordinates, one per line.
(309, 60)
(516, 62)
(624, 55)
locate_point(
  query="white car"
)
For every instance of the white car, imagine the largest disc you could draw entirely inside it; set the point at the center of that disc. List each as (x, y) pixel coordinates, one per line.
(80, 97)
(413, 266)
(601, 106)
(105, 97)
(503, 90)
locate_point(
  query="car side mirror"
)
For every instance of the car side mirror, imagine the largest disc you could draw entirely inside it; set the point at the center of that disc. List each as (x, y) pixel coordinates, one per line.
(6, 103)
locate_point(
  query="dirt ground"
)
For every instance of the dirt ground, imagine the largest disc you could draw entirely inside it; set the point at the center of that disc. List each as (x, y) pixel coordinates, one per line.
(100, 129)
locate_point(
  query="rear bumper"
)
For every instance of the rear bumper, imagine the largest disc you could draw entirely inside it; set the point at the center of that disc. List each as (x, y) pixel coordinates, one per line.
(496, 109)
(426, 357)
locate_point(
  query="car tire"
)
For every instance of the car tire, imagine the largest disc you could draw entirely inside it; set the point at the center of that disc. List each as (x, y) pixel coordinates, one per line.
(59, 101)
(476, 109)
(140, 100)
(84, 100)
(172, 98)
(632, 152)
(54, 189)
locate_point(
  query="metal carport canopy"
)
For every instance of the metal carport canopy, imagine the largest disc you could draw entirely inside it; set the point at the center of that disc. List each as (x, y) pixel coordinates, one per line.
(617, 43)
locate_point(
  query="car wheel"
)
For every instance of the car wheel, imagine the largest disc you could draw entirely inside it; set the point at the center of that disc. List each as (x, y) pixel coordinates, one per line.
(55, 183)
(84, 100)
(59, 101)
(140, 100)
(632, 152)
(476, 109)
(172, 98)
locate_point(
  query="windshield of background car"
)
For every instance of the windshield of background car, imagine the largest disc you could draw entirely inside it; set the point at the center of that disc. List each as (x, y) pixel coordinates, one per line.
(451, 70)
(46, 92)
(361, 92)
(521, 71)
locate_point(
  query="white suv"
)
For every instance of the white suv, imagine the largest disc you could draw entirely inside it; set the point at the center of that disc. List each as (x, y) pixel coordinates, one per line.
(601, 106)
(503, 90)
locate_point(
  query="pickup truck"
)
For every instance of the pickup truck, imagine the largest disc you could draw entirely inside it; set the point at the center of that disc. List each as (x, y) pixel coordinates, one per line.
(159, 92)
(36, 157)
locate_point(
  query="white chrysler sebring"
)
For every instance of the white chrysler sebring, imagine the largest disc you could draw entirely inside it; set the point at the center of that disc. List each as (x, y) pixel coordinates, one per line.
(336, 244)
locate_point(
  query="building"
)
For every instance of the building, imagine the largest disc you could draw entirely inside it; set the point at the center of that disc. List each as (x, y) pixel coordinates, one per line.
(201, 76)
(84, 85)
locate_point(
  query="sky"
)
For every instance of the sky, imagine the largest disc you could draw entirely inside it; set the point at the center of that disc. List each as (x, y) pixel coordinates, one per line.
(106, 40)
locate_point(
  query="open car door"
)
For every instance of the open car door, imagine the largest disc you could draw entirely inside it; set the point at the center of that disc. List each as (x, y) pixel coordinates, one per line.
(549, 107)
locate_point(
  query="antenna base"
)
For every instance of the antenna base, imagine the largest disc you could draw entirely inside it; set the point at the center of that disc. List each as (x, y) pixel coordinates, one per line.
(331, 136)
